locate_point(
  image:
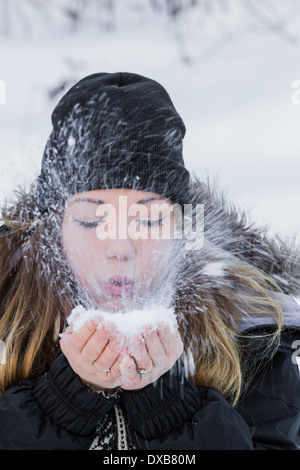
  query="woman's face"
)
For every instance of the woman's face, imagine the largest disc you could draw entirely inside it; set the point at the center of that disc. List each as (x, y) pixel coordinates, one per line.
(117, 232)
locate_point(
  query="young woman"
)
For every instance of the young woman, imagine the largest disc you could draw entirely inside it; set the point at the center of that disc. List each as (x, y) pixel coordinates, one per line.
(226, 377)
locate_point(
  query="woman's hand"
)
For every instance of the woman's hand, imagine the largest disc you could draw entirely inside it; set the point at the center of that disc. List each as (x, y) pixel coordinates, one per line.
(92, 350)
(149, 355)
(104, 359)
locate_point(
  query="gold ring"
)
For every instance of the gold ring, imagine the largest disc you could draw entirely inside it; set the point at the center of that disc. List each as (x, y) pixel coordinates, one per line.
(108, 371)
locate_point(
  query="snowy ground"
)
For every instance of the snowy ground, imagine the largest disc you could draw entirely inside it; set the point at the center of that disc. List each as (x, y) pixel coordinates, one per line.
(234, 95)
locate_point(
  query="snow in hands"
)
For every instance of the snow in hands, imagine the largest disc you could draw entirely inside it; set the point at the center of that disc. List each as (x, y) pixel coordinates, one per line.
(135, 326)
(129, 323)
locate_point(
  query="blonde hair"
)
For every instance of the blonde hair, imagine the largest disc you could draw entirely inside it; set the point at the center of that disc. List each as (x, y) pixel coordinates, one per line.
(34, 305)
(212, 335)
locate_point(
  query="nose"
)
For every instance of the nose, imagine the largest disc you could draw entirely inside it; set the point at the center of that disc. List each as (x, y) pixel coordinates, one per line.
(120, 250)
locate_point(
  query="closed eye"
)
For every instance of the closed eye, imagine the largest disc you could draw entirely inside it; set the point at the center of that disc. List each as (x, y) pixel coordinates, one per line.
(94, 224)
(152, 222)
(81, 223)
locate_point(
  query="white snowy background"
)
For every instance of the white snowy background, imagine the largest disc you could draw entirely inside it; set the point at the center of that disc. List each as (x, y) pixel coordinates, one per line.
(229, 66)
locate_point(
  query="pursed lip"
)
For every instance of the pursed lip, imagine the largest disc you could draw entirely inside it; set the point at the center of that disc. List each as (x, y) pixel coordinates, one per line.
(119, 279)
(119, 285)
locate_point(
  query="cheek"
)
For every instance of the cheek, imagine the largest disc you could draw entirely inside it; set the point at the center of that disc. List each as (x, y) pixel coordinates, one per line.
(80, 250)
(153, 255)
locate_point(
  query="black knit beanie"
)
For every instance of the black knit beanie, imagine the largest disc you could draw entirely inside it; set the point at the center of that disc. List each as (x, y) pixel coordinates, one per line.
(113, 130)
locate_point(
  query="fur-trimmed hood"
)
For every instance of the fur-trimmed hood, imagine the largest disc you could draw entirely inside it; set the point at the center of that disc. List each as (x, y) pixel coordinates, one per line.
(225, 227)
(229, 236)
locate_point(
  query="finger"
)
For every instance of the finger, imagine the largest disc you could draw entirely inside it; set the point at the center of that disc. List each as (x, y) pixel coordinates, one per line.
(67, 331)
(75, 341)
(116, 366)
(96, 343)
(113, 377)
(81, 337)
(128, 370)
(155, 348)
(170, 340)
(111, 352)
(138, 351)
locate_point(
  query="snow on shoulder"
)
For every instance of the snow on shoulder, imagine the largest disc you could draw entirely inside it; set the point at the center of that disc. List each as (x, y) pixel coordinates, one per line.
(128, 323)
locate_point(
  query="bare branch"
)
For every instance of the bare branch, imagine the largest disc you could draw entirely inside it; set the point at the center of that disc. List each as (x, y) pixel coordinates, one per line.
(274, 26)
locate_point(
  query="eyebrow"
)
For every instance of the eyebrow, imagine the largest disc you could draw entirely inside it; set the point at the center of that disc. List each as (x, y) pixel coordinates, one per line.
(98, 201)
